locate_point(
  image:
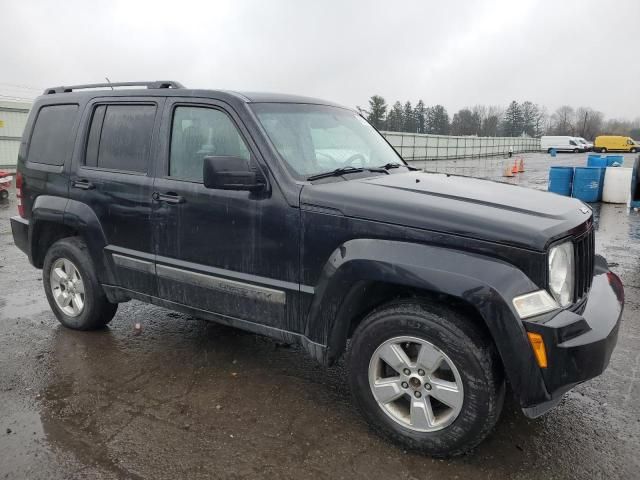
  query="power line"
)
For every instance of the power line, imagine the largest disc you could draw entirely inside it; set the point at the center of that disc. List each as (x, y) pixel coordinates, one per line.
(21, 86)
(13, 97)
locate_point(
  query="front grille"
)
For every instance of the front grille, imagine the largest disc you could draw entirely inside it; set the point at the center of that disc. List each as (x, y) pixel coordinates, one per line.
(584, 247)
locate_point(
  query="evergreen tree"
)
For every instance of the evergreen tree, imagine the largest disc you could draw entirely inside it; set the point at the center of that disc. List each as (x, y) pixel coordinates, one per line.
(420, 113)
(437, 120)
(530, 114)
(408, 117)
(513, 122)
(466, 122)
(377, 111)
(395, 118)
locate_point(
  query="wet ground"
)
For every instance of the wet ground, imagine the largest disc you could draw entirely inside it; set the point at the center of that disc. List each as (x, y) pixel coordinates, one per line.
(190, 399)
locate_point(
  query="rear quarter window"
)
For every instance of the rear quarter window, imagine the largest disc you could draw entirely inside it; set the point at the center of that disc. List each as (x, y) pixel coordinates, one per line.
(53, 135)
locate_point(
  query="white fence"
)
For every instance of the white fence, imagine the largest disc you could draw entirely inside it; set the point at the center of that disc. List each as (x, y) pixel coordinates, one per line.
(415, 146)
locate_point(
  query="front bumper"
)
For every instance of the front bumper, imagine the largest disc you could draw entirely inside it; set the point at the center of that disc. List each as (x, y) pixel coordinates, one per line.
(579, 343)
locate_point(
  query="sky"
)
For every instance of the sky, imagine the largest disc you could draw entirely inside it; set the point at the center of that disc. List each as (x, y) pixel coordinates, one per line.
(454, 53)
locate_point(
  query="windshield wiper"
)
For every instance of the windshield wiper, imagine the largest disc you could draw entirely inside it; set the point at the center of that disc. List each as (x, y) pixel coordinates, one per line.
(342, 170)
(388, 166)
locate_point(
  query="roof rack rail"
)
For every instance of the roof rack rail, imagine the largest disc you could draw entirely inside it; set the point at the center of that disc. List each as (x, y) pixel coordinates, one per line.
(149, 85)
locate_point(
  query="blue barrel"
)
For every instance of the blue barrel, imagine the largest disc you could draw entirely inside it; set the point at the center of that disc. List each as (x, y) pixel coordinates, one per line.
(596, 161)
(615, 160)
(588, 183)
(560, 180)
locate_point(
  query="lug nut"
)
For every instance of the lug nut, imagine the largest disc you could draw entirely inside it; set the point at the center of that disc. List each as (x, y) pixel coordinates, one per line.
(405, 385)
(407, 371)
(418, 394)
(427, 386)
(421, 372)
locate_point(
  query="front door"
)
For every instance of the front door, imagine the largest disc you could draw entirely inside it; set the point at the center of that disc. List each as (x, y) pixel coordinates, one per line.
(233, 253)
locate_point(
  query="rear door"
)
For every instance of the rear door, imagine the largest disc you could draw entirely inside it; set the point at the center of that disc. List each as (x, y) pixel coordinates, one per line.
(229, 252)
(112, 177)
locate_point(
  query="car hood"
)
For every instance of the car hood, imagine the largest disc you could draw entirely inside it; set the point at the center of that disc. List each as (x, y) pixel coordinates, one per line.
(463, 206)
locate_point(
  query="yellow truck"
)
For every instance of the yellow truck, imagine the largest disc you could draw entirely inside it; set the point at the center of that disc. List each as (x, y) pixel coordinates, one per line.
(615, 143)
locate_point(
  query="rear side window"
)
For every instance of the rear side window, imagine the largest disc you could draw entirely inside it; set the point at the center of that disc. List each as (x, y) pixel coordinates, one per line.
(53, 135)
(120, 137)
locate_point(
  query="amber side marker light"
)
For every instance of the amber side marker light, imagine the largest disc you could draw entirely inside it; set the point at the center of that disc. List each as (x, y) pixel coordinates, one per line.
(537, 344)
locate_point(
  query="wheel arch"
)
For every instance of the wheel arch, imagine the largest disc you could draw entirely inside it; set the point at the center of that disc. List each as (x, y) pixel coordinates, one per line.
(54, 218)
(363, 274)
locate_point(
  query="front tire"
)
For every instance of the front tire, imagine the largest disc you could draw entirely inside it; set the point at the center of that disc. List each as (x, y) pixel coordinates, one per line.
(426, 377)
(603, 150)
(72, 287)
(634, 150)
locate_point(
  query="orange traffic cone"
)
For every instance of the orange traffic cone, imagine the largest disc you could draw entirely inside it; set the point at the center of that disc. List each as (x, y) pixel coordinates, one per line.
(521, 165)
(507, 172)
(515, 166)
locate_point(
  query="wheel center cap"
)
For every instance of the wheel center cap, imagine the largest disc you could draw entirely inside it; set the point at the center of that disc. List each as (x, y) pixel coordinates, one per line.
(415, 382)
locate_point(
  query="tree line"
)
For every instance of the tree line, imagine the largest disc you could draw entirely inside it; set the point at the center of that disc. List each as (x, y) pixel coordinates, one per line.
(517, 119)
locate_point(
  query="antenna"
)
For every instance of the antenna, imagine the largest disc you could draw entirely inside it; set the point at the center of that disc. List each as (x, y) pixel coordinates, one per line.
(109, 82)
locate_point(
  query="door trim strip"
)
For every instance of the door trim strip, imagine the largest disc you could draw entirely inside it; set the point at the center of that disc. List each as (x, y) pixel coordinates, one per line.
(133, 263)
(222, 284)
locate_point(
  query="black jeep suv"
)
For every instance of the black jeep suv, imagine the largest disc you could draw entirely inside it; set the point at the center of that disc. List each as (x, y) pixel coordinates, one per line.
(294, 218)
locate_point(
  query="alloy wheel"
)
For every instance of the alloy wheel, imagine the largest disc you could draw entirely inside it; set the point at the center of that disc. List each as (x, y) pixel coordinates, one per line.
(67, 287)
(416, 384)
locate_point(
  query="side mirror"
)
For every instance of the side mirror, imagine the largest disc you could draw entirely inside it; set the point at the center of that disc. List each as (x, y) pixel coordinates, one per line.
(229, 173)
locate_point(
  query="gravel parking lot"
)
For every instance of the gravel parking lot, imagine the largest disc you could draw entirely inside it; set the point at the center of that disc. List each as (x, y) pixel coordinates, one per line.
(185, 398)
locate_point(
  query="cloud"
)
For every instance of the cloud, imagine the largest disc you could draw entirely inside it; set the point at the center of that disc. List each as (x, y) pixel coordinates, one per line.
(454, 53)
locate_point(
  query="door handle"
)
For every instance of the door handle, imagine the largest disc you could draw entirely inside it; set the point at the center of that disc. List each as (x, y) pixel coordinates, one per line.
(83, 184)
(169, 197)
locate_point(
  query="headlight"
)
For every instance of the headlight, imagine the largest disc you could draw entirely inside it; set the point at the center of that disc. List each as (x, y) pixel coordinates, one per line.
(561, 273)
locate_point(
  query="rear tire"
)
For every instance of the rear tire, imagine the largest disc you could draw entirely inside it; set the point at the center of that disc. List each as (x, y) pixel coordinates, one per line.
(456, 403)
(603, 150)
(4, 194)
(72, 288)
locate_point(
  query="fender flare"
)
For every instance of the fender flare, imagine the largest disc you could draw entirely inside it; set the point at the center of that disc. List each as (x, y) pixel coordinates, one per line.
(484, 283)
(81, 218)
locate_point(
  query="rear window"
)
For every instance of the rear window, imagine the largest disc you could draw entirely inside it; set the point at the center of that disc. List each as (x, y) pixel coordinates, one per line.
(52, 139)
(120, 137)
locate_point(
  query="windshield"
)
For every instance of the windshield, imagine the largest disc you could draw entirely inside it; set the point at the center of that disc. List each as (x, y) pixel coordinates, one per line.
(314, 139)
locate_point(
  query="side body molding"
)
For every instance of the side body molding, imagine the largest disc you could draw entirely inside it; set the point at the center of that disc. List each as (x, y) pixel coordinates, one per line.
(484, 283)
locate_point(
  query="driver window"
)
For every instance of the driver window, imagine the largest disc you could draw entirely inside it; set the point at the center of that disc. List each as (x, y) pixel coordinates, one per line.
(198, 132)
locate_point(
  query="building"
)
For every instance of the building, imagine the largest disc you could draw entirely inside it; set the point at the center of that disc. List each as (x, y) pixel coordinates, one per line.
(13, 118)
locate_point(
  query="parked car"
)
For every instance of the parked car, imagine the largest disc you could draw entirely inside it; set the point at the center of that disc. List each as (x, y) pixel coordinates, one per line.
(294, 218)
(588, 146)
(561, 143)
(615, 143)
(5, 184)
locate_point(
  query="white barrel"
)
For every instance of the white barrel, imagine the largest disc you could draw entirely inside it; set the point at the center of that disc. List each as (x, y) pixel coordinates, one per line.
(617, 185)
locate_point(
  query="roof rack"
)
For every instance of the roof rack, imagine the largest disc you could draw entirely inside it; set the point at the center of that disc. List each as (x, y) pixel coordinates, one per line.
(149, 85)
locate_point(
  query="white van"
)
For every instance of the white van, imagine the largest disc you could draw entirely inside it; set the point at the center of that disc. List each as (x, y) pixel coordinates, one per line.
(561, 144)
(587, 145)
